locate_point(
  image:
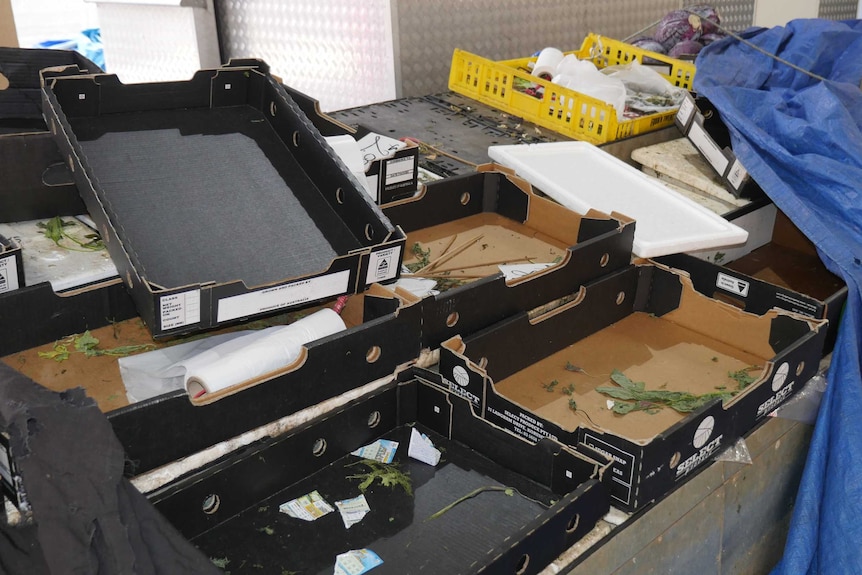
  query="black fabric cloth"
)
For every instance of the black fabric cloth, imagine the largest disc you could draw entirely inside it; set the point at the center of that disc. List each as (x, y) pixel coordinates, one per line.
(86, 517)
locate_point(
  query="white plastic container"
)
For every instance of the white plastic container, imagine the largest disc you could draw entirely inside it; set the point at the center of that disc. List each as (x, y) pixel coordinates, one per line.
(581, 177)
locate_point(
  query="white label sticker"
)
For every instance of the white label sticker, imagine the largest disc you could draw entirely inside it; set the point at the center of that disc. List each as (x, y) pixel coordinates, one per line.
(708, 148)
(8, 274)
(737, 174)
(180, 309)
(383, 265)
(5, 466)
(374, 147)
(515, 271)
(282, 296)
(732, 284)
(400, 170)
(685, 110)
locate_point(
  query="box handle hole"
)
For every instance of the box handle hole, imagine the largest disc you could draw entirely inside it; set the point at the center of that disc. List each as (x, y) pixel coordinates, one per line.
(211, 504)
(296, 139)
(369, 232)
(452, 319)
(319, 447)
(674, 460)
(373, 354)
(621, 297)
(800, 368)
(465, 198)
(604, 260)
(573, 523)
(523, 563)
(373, 419)
(339, 196)
(272, 109)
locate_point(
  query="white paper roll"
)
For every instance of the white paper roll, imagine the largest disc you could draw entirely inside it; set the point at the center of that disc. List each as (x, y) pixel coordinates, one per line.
(254, 355)
(546, 63)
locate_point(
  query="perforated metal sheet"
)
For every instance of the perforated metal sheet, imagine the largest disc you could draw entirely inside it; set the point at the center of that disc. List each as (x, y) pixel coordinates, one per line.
(429, 30)
(734, 15)
(838, 9)
(347, 54)
(337, 51)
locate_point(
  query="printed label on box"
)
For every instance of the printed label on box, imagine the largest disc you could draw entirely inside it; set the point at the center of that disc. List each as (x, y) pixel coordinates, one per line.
(180, 309)
(283, 296)
(383, 265)
(797, 305)
(732, 284)
(622, 469)
(737, 174)
(708, 148)
(522, 424)
(685, 110)
(400, 170)
(374, 147)
(9, 274)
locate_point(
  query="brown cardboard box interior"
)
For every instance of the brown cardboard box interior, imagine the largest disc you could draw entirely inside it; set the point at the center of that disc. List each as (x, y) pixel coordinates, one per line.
(669, 353)
(471, 248)
(791, 261)
(100, 375)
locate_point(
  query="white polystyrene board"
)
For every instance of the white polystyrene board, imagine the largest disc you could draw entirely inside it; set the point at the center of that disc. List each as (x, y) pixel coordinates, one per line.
(581, 177)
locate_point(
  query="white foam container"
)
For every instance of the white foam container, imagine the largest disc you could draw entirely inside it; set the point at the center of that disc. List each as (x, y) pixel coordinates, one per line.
(581, 177)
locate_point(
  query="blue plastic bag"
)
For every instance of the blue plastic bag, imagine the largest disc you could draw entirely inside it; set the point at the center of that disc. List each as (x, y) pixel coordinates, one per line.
(88, 43)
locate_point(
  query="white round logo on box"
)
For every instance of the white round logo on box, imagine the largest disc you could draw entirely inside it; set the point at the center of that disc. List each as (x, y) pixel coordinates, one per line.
(704, 431)
(461, 376)
(780, 376)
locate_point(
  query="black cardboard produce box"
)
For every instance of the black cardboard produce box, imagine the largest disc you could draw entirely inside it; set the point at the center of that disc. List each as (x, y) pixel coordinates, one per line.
(392, 175)
(11, 266)
(569, 374)
(34, 312)
(381, 338)
(217, 198)
(788, 261)
(522, 505)
(701, 123)
(36, 183)
(459, 230)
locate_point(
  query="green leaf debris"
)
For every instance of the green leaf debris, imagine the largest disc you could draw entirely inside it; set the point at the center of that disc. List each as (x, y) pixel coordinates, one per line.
(423, 258)
(387, 474)
(507, 490)
(632, 396)
(55, 230)
(87, 344)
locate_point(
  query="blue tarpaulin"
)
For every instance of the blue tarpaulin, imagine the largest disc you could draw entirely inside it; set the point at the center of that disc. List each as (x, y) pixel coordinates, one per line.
(800, 137)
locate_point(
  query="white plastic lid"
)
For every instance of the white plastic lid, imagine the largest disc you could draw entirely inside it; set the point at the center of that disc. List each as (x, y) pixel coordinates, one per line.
(581, 177)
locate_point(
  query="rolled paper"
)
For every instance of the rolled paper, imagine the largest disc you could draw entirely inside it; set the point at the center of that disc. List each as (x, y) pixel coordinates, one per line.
(252, 356)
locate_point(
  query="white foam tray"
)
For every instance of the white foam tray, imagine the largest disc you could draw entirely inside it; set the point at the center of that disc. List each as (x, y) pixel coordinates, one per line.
(581, 177)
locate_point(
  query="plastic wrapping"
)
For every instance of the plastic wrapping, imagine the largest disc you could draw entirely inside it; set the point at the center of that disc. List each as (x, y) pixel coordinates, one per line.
(805, 405)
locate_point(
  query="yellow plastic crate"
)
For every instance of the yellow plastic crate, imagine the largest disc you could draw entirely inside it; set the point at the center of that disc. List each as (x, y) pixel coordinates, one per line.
(509, 86)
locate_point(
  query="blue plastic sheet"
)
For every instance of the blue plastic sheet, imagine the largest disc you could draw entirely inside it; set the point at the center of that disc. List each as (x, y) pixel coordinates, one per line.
(88, 43)
(799, 137)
